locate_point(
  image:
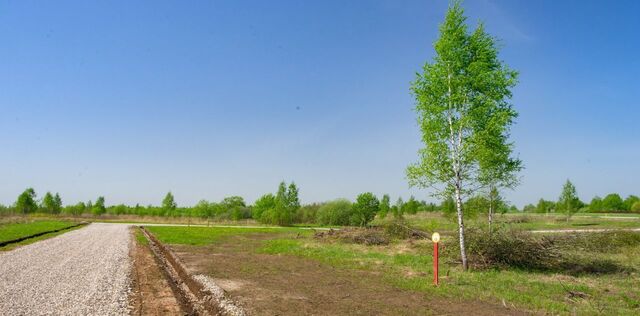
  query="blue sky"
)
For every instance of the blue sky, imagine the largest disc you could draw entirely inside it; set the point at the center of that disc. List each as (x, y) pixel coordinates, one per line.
(131, 99)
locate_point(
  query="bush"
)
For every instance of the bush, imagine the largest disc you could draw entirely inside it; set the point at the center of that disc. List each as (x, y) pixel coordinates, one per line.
(511, 248)
(337, 212)
(400, 230)
(364, 210)
(636, 207)
(307, 213)
(572, 254)
(364, 236)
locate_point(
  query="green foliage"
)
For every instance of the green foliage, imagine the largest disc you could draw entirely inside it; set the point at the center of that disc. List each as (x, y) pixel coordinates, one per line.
(285, 206)
(385, 206)
(263, 205)
(204, 209)
(595, 205)
(544, 206)
(497, 204)
(307, 213)
(636, 207)
(448, 207)
(529, 208)
(51, 203)
(463, 111)
(98, 208)
(568, 201)
(412, 206)
(612, 202)
(629, 201)
(365, 209)
(26, 202)
(464, 114)
(337, 212)
(169, 204)
(398, 209)
(48, 203)
(76, 209)
(473, 206)
(233, 208)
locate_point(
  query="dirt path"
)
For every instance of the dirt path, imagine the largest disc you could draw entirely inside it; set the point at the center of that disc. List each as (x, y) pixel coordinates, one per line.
(152, 294)
(82, 272)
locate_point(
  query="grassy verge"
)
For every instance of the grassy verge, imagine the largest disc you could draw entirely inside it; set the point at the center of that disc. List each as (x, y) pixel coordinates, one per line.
(12, 231)
(207, 235)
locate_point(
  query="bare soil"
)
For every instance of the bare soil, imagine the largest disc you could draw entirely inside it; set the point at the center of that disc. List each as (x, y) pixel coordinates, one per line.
(152, 294)
(266, 284)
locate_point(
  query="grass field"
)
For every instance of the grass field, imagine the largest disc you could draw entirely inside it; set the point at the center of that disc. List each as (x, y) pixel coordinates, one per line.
(12, 231)
(435, 221)
(15, 230)
(407, 265)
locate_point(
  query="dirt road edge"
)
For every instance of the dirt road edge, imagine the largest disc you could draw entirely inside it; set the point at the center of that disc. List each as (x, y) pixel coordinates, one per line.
(203, 297)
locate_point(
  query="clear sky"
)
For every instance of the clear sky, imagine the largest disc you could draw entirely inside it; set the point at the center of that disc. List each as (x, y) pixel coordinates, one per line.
(131, 99)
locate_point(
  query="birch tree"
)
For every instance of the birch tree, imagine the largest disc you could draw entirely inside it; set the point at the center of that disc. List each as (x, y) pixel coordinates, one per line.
(462, 104)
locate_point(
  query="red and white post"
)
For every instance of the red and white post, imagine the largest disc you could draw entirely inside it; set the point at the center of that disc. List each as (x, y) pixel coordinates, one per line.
(435, 238)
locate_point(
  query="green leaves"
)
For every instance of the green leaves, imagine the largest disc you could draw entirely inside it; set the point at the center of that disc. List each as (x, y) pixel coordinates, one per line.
(169, 203)
(568, 201)
(26, 202)
(463, 112)
(278, 210)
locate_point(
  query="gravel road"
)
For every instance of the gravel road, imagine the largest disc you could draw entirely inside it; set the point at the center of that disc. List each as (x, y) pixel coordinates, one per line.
(82, 272)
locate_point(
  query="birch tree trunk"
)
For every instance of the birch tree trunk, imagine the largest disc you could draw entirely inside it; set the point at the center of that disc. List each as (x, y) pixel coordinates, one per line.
(490, 213)
(463, 251)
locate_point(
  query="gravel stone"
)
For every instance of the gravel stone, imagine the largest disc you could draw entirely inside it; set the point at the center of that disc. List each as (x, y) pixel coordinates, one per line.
(82, 272)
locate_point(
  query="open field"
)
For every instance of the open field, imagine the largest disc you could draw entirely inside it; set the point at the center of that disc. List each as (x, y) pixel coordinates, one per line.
(304, 273)
(527, 221)
(301, 270)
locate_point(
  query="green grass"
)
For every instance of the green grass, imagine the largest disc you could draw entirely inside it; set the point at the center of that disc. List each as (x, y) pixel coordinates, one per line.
(436, 222)
(13, 231)
(140, 238)
(537, 291)
(207, 235)
(409, 266)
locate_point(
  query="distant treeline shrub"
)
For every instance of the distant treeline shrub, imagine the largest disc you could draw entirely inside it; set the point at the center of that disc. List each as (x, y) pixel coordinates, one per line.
(611, 203)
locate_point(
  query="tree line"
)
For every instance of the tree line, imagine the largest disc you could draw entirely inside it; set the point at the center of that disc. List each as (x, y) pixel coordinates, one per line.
(280, 208)
(569, 203)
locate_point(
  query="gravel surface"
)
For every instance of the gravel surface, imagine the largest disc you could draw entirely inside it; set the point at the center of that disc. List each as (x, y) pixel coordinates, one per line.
(82, 272)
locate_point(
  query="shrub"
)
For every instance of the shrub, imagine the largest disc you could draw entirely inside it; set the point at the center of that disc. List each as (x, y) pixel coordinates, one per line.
(636, 207)
(337, 212)
(400, 230)
(511, 248)
(364, 210)
(612, 203)
(572, 254)
(307, 213)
